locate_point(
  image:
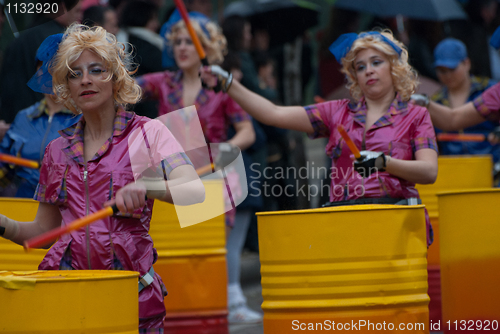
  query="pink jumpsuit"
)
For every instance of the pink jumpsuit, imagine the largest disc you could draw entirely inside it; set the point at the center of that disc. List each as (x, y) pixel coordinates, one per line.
(80, 188)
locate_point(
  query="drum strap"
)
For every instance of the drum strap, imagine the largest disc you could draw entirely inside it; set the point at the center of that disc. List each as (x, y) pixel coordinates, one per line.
(146, 279)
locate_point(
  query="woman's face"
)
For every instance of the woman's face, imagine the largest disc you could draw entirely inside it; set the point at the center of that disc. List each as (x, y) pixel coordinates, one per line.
(87, 84)
(453, 78)
(185, 54)
(373, 73)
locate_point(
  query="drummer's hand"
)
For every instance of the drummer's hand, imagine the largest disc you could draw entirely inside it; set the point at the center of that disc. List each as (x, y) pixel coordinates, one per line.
(214, 77)
(420, 99)
(494, 136)
(129, 198)
(369, 163)
(3, 128)
(226, 154)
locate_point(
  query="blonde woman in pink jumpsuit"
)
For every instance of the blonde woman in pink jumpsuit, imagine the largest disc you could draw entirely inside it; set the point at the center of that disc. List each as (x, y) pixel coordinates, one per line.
(91, 166)
(396, 137)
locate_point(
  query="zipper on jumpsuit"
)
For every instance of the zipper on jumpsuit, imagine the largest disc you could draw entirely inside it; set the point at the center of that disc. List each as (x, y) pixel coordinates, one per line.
(42, 147)
(363, 148)
(87, 229)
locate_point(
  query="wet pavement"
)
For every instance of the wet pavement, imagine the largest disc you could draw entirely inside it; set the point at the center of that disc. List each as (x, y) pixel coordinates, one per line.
(250, 282)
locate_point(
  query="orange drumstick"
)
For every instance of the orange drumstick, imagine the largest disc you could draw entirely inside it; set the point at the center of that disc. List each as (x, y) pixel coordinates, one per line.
(205, 169)
(461, 137)
(192, 33)
(349, 142)
(318, 99)
(52, 235)
(19, 161)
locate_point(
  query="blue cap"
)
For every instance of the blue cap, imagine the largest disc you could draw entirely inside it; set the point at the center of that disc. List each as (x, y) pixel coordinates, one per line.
(450, 52)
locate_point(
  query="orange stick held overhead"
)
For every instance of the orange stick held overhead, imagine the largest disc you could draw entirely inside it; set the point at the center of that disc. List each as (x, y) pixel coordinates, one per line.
(474, 137)
(197, 44)
(52, 235)
(19, 161)
(349, 142)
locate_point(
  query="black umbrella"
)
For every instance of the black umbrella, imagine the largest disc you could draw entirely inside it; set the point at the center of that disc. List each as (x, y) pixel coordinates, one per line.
(284, 20)
(432, 10)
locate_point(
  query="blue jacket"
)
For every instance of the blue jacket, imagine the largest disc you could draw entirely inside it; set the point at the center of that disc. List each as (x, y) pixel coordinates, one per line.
(27, 138)
(478, 86)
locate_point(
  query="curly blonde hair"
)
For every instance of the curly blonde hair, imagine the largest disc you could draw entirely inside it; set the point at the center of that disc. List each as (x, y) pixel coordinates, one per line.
(215, 45)
(404, 77)
(78, 38)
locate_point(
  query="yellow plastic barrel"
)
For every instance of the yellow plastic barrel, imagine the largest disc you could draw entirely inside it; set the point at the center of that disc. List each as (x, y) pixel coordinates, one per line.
(352, 268)
(13, 256)
(61, 302)
(454, 172)
(470, 260)
(192, 264)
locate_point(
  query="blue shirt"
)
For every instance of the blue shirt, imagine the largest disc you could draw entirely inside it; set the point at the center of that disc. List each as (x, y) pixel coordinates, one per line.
(478, 86)
(27, 138)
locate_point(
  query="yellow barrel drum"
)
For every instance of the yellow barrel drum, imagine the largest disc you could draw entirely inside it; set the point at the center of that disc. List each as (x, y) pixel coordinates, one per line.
(192, 264)
(454, 172)
(470, 260)
(356, 268)
(60, 302)
(13, 256)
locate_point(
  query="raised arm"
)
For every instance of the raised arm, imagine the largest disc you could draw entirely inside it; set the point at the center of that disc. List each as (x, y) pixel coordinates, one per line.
(293, 117)
(448, 119)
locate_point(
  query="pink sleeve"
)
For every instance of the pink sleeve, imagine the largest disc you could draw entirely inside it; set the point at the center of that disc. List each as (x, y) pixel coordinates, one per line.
(152, 145)
(150, 85)
(424, 135)
(488, 103)
(51, 186)
(234, 112)
(321, 117)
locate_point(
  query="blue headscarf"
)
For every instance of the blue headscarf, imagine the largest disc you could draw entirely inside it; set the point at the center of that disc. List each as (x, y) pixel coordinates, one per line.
(41, 81)
(341, 47)
(495, 39)
(167, 58)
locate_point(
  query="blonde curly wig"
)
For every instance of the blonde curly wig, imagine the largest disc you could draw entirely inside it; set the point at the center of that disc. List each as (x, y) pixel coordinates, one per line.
(404, 77)
(215, 45)
(76, 39)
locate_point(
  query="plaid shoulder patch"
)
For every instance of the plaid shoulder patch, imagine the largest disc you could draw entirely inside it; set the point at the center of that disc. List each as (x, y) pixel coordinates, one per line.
(482, 109)
(319, 126)
(175, 160)
(424, 142)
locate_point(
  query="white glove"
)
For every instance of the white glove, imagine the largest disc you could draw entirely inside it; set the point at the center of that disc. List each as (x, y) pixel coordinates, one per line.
(420, 99)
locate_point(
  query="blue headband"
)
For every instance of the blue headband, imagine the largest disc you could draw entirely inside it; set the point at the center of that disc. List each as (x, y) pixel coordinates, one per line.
(167, 59)
(341, 47)
(495, 39)
(41, 81)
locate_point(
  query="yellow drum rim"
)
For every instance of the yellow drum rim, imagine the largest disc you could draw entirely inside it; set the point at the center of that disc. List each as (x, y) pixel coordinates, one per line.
(61, 276)
(347, 208)
(468, 191)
